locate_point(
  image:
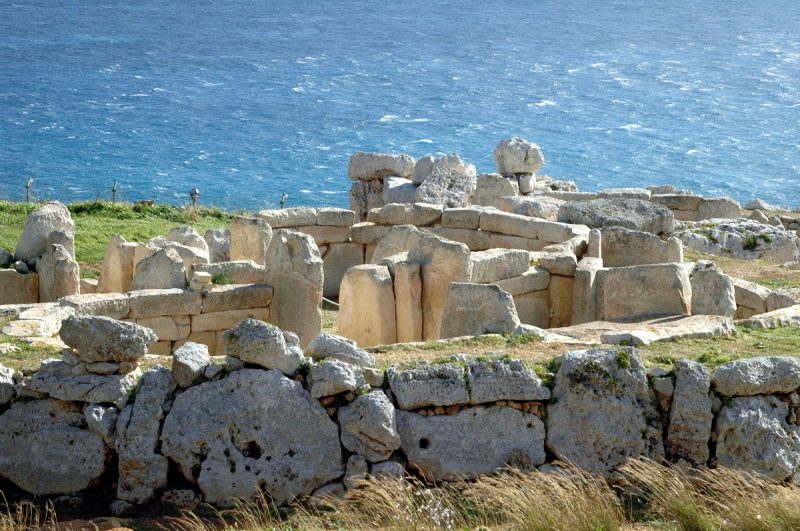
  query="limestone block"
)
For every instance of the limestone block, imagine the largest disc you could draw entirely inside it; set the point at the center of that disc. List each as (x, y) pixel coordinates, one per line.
(526, 183)
(624, 193)
(224, 320)
(408, 302)
(56, 379)
(59, 274)
(18, 289)
(784, 317)
(39, 321)
(534, 279)
(236, 297)
(368, 426)
(191, 256)
(437, 448)
(751, 295)
(189, 237)
(164, 269)
(503, 379)
(690, 417)
(398, 190)
(368, 233)
(167, 328)
(476, 240)
(88, 285)
(718, 207)
(97, 338)
(504, 241)
(560, 263)
(757, 376)
(332, 377)
(440, 384)
(208, 339)
(282, 218)
(367, 306)
(340, 348)
(492, 186)
(633, 214)
(418, 214)
(337, 260)
(254, 341)
(46, 219)
(660, 289)
(162, 348)
(114, 305)
(713, 291)
(157, 302)
(364, 196)
(595, 244)
(189, 362)
(294, 269)
(219, 244)
(239, 272)
(677, 201)
(509, 224)
(517, 156)
(498, 264)
(429, 166)
(533, 308)
(335, 217)
(561, 295)
(584, 291)
(776, 300)
(450, 185)
(535, 206)
(250, 237)
(326, 234)
(462, 218)
(477, 309)
(623, 247)
(370, 166)
(553, 231)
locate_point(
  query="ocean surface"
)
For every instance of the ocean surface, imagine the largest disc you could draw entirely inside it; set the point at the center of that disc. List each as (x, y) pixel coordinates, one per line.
(248, 99)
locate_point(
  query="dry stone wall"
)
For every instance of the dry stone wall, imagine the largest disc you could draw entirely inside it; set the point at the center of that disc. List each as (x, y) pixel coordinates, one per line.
(293, 424)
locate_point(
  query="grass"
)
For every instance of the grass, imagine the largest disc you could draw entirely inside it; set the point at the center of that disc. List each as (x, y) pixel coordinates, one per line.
(761, 272)
(97, 221)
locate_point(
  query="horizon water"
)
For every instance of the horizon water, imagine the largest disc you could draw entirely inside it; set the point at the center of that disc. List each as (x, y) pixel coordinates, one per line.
(246, 99)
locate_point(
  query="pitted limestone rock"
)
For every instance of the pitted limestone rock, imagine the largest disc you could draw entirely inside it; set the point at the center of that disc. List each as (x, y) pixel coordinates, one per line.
(516, 156)
(372, 166)
(757, 376)
(477, 309)
(429, 385)
(97, 338)
(102, 420)
(633, 214)
(713, 292)
(59, 380)
(603, 412)
(333, 376)
(142, 470)
(9, 378)
(503, 379)
(368, 426)
(340, 348)
(440, 449)
(690, 418)
(45, 448)
(753, 435)
(283, 442)
(189, 363)
(260, 343)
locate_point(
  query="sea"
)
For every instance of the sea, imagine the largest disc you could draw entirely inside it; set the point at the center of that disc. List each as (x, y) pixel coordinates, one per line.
(247, 100)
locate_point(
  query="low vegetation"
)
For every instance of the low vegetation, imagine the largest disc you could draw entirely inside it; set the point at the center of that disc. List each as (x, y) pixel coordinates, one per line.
(767, 274)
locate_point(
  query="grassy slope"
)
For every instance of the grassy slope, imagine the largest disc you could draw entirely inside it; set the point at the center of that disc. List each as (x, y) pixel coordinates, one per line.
(769, 275)
(97, 221)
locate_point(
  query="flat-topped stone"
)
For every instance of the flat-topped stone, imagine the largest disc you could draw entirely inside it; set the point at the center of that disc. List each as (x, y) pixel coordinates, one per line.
(374, 166)
(757, 376)
(498, 264)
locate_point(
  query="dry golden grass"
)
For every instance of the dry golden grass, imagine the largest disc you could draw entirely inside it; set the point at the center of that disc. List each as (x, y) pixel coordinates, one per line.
(759, 271)
(25, 515)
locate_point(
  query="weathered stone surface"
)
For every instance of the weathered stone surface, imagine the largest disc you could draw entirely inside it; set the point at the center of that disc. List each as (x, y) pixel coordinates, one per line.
(516, 156)
(181, 499)
(659, 289)
(561, 263)
(690, 417)
(102, 420)
(368, 426)
(98, 338)
(156, 302)
(674, 201)
(337, 260)
(191, 256)
(745, 239)
(8, 379)
(38, 321)
(189, 362)
(388, 470)
(477, 309)
(408, 302)
(39, 224)
(512, 224)
(754, 435)
(503, 379)
(294, 269)
(281, 218)
(236, 297)
(534, 308)
(562, 293)
(367, 306)
(239, 272)
(116, 273)
(430, 166)
(757, 376)
(164, 269)
(142, 470)
(718, 207)
(59, 274)
(369, 166)
(418, 214)
(584, 291)
(784, 317)
(335, 217)
(713, 291)
(219, 244)
(633, 214)
(437, 448)
(113, 305)
(189, 237)
(283, 442)
(498, 264)
(602, 413)
(340, 348)
(476, 240)
(16, 288)
(364, 196)
(398, 190)
(332, 377)
(250, 238)
(534, 279)
(6, 258)
(428, 385)
(688, 327)
(57, 380)
(45, 448)
(622, 247)
(624, 193)
(263, 344)
(491, 187)
(532, 206)
(462, 218)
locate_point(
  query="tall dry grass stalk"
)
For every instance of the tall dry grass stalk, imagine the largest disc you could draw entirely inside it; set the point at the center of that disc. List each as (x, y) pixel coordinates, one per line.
(25, 516)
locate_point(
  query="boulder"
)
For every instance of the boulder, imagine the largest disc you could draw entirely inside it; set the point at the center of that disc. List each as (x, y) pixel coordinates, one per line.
(65, 239)
(751, 295)
(491, 187)
(602, 413)
(45, 448)
(164, 269)
(250, 238)
(713, 291)
(56, 379)
(59, 274)
(659, 289)
(189, 237)
(294, 269)
(370, 166)
(253, 430)
(39, 224)
(142, 469)
(690, 418)
(438, 449)
(633, 214)
(332, 377)
(516, 156)
(784, 317)
(97, 338)
(477, 309)
(260, 343)
(367, 306)
(622, 247)
(440, 384)
(189, 362)
(219, 244)
(116, 273)
(753, 435)
(102, 420)
(368, 426)
(503, 379)
(757, 376)
(340, 348)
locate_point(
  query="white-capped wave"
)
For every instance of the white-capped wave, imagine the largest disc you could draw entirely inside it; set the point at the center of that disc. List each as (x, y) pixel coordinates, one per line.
(388, 118)
(543, 103)
(630, 127)
(424, 141)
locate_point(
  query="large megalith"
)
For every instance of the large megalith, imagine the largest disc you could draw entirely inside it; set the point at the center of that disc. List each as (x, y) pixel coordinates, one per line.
(39, 224)
(477, 309)
(59, 274)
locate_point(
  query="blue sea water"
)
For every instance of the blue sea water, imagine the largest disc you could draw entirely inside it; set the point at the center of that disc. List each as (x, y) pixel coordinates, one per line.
(247, 99)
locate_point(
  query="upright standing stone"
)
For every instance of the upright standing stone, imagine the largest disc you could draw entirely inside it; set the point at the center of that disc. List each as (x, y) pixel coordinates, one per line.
(164, 269)
(367, 306)
(408, 302)
(690, 416)
(477, 309)
(59, 274)
(713, 292)
(250, 238)
(116, 273)
(219, 245)
(38, 226)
